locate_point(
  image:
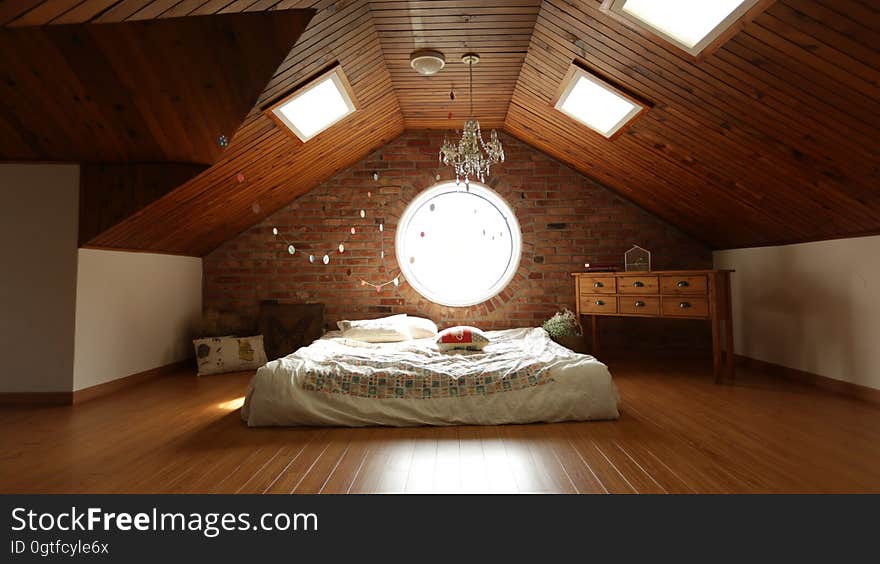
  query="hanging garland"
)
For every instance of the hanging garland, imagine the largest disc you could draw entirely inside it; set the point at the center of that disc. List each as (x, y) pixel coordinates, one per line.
(396, 281)
(223, 143)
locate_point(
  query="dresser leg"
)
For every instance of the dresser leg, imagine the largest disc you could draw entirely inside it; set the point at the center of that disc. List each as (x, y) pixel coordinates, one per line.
(716, 349)
(594, 331)
(729, 362)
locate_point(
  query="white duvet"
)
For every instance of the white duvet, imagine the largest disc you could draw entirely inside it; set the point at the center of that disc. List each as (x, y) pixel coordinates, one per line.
(521, 377)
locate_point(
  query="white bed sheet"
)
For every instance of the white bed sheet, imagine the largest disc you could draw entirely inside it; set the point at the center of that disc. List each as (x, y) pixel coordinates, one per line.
(566, 386)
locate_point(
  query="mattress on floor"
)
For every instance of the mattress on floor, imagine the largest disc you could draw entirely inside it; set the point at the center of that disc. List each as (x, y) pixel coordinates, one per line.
(522, 376)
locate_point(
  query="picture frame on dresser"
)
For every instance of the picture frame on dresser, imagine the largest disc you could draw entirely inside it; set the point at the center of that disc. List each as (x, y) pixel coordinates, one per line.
(669, 294)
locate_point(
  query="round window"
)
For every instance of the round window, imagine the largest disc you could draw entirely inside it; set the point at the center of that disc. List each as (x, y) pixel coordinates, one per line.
(458, 247)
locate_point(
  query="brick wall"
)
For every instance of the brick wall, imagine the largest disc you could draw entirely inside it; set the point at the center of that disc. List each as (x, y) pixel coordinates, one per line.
(566, 220)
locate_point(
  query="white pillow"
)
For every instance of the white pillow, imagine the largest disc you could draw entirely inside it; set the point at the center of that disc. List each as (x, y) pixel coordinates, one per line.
(421, 328)
(384, 330)
(229, 354)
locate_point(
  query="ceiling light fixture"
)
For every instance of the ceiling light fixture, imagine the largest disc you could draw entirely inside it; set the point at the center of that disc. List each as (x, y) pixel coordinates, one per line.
(467, 158)
(427, 61)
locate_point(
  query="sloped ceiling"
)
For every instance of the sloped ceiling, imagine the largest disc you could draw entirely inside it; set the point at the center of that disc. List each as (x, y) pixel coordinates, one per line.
(275, 166)
(771, 139)
(499, 31)
(142, 91)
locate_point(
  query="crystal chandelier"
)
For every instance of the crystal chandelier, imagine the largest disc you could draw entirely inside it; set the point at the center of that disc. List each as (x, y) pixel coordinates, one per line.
(471, 156)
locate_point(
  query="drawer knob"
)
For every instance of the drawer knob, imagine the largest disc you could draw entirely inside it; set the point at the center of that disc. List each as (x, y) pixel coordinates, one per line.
(638, 284)
(640, 303)
(683, 284)
(684, 305)
(598, 285)
(600, 303)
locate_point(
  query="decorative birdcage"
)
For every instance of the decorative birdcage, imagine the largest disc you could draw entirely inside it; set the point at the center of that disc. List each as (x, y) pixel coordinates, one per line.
(637, 259)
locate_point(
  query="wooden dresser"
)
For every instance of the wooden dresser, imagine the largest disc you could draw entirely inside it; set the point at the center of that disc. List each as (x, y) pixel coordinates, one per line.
(676, 294)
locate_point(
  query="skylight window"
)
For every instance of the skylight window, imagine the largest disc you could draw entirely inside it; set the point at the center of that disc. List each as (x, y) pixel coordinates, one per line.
(315, 107)
(691, 25)
(596, 104)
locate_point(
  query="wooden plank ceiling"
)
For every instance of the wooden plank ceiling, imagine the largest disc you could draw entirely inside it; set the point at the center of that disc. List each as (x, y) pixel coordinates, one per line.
(111, 193)
(772, 138)
(499, 31)
(275, 166)
(144, 91)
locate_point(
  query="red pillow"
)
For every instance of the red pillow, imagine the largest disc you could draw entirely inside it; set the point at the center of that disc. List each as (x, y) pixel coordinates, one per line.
(461, 338)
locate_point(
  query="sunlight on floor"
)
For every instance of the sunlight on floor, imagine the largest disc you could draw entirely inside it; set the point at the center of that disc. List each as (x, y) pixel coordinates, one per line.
(232, 404)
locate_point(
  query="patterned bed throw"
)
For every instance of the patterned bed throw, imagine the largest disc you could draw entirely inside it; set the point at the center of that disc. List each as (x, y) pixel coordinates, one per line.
(417, 370)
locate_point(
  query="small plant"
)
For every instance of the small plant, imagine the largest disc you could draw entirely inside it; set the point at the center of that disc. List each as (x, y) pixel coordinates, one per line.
(562, 324)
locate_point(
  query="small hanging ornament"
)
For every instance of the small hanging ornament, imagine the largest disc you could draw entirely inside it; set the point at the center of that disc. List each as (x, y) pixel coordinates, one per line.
(369, 194)
(222, 141)
(312, 259)
(291, 249)
(363, 214)
(326, 259)
(381, 227)
(353, 231)
(239, 177)
(341, 248)
(378, 287)
(376, 175)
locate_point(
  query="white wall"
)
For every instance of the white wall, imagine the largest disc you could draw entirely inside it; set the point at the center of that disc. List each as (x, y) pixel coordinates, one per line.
(813, 307)
(38, 240)
(134, 312)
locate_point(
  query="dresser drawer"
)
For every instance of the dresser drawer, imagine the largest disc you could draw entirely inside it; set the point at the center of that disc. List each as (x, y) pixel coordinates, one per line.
(685, 306)
(683, 284)
(637, 285)
(598, 304)
(639, 305)
(597, 284)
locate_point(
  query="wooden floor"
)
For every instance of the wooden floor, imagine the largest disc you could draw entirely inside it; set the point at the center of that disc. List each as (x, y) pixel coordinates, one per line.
(678, 432)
